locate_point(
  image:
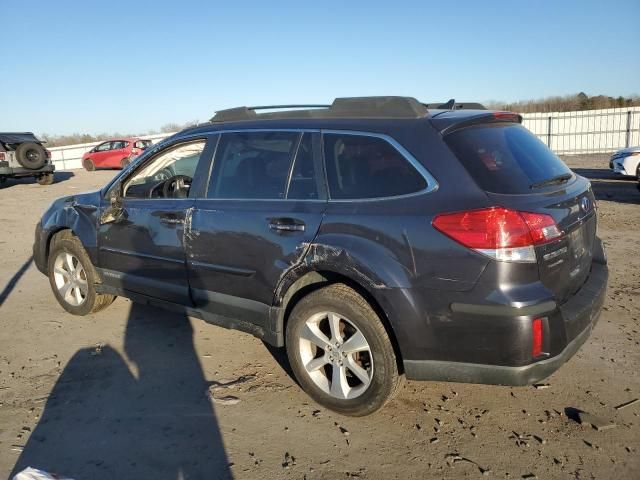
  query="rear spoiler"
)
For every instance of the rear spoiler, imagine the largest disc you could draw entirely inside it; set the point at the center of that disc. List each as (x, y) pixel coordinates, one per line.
(448, 122)
(453, 105)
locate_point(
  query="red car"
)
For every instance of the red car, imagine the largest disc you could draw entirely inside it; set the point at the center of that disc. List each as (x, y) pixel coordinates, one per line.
(114, 153)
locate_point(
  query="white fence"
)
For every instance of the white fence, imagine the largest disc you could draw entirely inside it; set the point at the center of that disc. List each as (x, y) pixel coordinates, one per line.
(588, 131)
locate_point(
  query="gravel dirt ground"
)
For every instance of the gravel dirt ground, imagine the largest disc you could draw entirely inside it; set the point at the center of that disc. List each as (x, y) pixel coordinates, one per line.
(135, 393)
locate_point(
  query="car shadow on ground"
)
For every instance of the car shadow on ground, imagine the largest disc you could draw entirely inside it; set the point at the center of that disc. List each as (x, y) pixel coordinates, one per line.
(13, 281)
(57, 178)
(610, 186)
(103, 421)
(280, 356)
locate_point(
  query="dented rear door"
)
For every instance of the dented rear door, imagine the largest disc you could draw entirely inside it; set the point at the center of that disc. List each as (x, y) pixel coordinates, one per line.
(238, 249)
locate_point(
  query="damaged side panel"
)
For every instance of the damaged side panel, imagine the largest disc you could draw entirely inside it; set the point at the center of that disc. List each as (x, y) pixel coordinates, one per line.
(236, 257)
(390, 250)
(78, 213)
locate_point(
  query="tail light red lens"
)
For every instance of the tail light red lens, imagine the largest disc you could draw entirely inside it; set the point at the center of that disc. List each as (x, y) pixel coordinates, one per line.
(2, 156)
(537, 330)
(48, 153)
(499, 232)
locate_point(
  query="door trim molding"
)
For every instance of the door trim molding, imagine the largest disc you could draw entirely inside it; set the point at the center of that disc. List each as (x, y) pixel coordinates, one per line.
(131, 253)
(242, 272)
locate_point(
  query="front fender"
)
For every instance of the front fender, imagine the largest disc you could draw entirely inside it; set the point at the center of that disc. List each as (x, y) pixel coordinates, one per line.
(78, 213)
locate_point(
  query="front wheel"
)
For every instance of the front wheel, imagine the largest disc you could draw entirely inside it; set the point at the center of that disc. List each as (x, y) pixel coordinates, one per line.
(72, 278)
(340, 351)
(125, 162)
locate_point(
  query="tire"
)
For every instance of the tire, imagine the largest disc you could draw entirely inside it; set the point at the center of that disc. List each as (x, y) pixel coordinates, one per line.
(46, 179)
(124, 162)
(31, 155)
(638, 172)
(65, 249)
(89, 165)
(378, 379)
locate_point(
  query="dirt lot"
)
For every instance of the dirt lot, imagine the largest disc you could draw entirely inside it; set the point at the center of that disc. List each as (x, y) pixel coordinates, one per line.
(123, 394)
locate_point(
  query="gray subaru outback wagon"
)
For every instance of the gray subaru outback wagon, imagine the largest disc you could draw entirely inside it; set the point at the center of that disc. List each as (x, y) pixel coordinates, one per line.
(375, 239)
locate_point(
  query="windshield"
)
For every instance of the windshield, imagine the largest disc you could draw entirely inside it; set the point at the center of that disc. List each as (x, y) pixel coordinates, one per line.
(506, 159)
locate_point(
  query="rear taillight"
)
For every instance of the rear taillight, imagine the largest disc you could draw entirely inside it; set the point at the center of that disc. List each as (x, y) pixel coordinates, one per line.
(47, 153)
(500, 233)
(537, 329)
(2, 157)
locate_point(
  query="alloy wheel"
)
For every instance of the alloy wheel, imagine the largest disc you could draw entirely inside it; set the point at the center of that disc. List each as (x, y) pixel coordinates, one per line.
(336, 355)
(70, 279)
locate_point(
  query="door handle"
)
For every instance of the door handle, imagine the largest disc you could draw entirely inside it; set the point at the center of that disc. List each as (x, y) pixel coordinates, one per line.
(286, 225)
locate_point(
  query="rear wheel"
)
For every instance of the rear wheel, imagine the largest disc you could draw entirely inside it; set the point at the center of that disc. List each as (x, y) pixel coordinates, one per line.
(340, 351)
(124, 162)
(72, 278)
(46, 179)
(88, 165)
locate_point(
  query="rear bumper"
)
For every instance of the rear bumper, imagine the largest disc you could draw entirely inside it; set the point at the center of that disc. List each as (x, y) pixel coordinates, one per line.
(5, 170)
(579, 315)
(492, 374)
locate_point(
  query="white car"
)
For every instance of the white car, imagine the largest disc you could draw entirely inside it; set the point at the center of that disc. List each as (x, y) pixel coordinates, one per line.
(626, 162)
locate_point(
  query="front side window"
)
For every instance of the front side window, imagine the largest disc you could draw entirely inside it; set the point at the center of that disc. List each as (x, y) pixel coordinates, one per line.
(104, 147)
(360, 166)
(118, 145)
(252, 165)
(168, 175)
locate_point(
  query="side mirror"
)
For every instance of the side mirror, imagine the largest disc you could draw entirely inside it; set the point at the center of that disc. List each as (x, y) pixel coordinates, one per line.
(114, 212)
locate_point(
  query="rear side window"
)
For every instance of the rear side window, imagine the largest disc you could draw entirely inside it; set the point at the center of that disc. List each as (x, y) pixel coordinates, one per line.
(252, 165)
(505, 159)
(360, 166)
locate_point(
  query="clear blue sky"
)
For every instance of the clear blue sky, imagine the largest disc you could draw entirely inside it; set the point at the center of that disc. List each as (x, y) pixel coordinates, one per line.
(89, 66)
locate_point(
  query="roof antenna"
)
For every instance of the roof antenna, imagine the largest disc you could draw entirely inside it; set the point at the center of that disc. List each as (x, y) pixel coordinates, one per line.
(450, 105)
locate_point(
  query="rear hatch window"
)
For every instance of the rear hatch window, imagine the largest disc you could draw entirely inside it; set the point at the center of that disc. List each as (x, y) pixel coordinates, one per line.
(506, 159)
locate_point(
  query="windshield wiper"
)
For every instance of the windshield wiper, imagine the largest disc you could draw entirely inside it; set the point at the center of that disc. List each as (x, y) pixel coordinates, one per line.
(550, 181)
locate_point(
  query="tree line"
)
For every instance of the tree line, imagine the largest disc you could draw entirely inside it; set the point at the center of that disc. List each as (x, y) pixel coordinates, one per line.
(567, 103)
